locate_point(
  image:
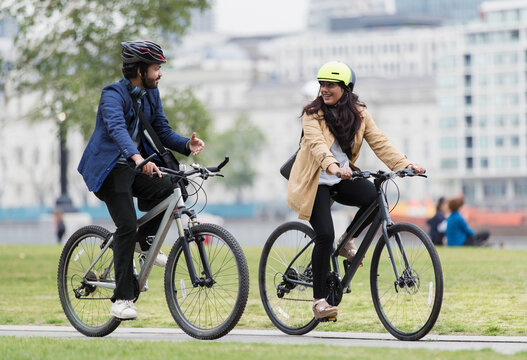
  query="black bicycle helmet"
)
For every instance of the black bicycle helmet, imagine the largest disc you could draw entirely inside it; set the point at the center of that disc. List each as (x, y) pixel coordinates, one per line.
(142, 51)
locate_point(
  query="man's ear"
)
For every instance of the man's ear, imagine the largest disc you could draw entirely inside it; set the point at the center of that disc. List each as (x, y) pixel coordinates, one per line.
(138, 75)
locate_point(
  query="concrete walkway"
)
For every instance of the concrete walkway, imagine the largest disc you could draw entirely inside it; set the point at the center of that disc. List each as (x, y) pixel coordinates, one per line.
(501, 344)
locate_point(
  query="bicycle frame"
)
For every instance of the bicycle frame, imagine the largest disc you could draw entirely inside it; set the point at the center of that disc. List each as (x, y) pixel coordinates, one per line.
(173, 207)
(382, 220)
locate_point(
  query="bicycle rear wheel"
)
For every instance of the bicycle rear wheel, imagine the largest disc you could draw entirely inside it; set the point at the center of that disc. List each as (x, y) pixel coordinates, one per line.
(87, 307)
(408, 307)
(287, 255)
(211, 309)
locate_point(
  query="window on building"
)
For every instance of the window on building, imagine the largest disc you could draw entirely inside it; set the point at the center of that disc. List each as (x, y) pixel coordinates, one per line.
(468, 142)
(515, 141)
(483, 80)
(483, 121)
(468, 60)
(448, 102)
(468, 121)
(515, 162)
(448, 143)
(500, 162)
(483, 142)
(520, 188)
(499, 141)
(468, 100)
(495, 189)
(469, 192)
(469, 163)
(447, 122)
(500, 120)
(449, 163)
(484, 163)
(468, 80)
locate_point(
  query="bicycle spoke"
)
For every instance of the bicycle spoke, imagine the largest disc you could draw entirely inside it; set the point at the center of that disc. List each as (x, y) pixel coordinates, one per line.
(401, 303)
(215, 304)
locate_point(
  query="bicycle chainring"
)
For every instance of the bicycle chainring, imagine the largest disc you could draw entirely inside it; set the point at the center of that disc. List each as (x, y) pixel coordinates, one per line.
(335, 290)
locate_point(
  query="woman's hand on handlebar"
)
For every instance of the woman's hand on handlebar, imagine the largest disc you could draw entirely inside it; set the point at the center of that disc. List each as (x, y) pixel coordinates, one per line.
(344, 173)
(149, 168)
(417, 168)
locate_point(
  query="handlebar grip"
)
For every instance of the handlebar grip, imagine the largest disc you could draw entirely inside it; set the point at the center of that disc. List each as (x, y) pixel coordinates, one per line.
(143, 163)
(222, 164)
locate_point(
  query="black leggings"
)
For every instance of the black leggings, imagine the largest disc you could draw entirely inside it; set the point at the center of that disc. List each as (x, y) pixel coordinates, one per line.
(358, 192)
(118, 191)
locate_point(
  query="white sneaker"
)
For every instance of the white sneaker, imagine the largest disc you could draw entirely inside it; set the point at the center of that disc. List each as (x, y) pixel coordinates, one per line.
(161, 258)
(124, 309)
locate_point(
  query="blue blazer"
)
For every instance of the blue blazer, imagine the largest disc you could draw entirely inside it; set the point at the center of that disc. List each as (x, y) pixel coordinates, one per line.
(112, 136)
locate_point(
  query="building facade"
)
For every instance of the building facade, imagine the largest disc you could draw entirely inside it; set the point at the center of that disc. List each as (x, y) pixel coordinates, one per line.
(481, 78)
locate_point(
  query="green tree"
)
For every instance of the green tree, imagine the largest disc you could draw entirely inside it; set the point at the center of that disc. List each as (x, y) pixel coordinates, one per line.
(243, 141)
(68, 50)
(187, 114)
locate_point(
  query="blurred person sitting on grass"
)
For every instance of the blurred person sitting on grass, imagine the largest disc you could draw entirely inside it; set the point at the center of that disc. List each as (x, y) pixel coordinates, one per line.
(458, 233)
(438, 222)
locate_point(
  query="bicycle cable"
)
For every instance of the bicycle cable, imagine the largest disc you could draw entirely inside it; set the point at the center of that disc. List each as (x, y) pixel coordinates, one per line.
(386, 194)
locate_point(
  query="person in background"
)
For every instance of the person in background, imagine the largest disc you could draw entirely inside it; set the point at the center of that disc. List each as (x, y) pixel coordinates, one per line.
(60, 227)
(438, 222)
(458, 232)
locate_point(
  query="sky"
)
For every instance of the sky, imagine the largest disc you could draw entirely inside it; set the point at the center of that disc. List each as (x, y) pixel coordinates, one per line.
(258, 17)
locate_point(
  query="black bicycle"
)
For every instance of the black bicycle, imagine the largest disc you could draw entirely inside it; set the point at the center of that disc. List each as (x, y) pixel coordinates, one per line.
(206, 276)
(406, 279)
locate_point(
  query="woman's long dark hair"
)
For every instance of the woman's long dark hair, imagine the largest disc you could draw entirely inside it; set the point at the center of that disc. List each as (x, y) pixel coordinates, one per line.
(347, 120)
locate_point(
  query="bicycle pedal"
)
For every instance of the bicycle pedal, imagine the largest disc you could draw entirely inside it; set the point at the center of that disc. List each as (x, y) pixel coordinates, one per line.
(328, 319)
(121, 320)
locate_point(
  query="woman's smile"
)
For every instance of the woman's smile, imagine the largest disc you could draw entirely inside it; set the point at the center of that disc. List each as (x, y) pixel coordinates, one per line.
(331, 92)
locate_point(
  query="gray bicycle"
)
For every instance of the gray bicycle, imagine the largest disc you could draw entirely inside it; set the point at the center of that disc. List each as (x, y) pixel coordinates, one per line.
(406, 279)
(206, 277)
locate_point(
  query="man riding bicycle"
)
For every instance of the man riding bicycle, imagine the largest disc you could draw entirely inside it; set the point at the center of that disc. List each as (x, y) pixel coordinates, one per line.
(117, 145)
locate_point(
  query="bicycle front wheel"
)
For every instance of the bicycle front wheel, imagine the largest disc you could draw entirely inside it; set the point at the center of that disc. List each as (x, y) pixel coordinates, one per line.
(87, 307)
(210, 308)
(286, 256)
(407, 305)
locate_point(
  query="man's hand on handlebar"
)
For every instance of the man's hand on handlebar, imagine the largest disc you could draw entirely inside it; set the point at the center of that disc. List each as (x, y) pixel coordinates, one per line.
(147, 168)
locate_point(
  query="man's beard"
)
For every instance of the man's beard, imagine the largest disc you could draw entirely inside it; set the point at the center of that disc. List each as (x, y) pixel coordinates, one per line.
(149, 83)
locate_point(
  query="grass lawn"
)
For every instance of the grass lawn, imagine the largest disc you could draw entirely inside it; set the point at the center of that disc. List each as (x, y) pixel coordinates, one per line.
(89, 349)
(485, 293)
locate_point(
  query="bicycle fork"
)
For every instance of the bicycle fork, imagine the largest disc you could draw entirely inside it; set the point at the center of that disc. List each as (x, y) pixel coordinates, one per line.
(386, 221)
(186, 237)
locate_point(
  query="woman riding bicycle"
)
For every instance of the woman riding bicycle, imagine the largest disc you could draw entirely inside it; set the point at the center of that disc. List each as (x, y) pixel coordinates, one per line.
(334, 127)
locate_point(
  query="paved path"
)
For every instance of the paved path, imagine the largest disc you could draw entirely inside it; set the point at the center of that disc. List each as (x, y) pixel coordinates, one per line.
(501, 344)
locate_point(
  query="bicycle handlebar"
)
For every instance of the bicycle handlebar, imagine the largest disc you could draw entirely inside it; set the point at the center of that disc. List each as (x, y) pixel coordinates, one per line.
(204, 172)
(139, 166)
(384, 175)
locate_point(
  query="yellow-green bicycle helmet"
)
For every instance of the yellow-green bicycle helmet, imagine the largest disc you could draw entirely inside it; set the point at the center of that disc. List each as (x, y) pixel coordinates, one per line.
(337, 71)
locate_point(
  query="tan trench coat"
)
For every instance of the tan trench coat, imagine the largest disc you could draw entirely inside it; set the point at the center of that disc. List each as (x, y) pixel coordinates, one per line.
(314, 155)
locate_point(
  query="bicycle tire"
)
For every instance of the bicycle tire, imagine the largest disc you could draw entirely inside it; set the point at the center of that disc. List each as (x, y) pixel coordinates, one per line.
(204, 312)
(86, 307)
(407, 308)
(288, 306)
